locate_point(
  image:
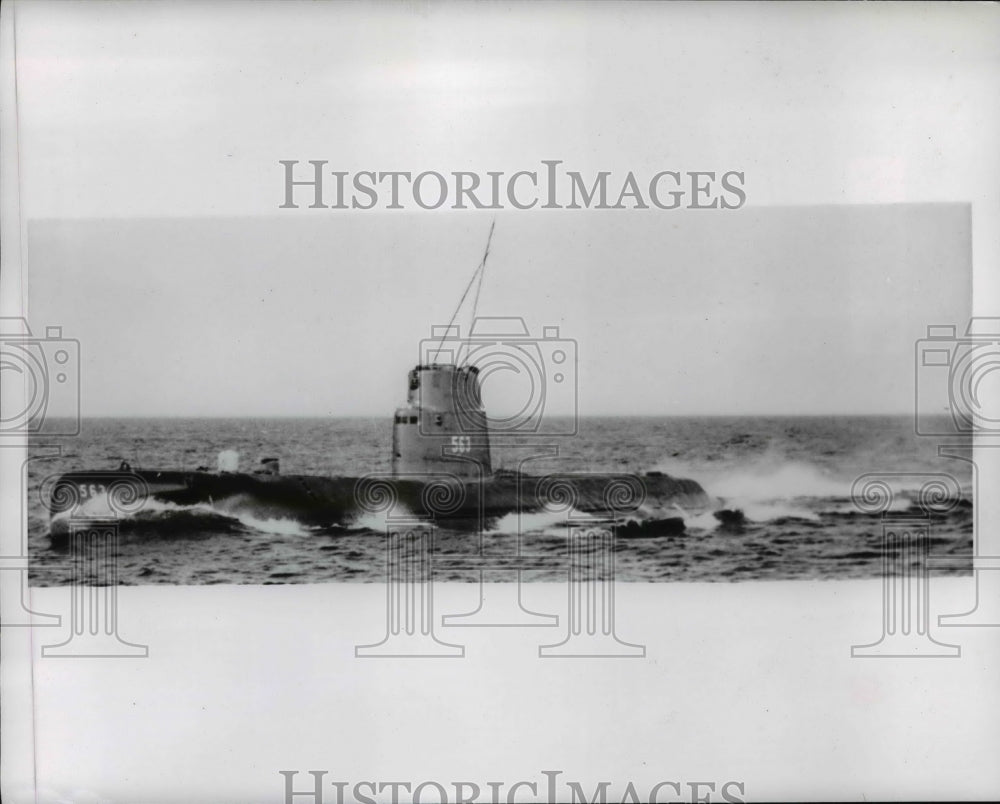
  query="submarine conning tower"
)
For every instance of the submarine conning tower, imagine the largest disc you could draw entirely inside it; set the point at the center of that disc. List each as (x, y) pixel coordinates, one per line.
(443, 427)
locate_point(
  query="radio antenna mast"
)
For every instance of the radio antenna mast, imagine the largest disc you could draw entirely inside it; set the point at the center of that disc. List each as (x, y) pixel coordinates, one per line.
(478, 273)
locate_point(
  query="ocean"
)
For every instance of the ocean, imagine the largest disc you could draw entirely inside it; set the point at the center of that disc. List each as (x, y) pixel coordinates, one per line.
(790, 477)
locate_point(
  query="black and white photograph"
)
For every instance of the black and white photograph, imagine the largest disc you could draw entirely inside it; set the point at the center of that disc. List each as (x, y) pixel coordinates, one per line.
(499, 402)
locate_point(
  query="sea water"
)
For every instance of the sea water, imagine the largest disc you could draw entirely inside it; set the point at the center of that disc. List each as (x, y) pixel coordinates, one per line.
(790, 476)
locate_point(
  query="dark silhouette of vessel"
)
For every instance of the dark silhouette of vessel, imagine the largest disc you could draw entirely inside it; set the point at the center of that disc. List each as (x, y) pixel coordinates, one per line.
(441, 468)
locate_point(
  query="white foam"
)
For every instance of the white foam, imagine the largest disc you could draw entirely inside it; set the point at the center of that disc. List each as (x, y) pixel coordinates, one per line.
(278, 526)
(768, 478)
(702, 522)
(544, 521)
(229, 461)
(247, 514)
(764, 488)
(378, 520)
(766, 481)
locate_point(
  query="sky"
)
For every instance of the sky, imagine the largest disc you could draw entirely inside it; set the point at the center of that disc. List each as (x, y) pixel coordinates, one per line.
(775, 310)
(150, 137)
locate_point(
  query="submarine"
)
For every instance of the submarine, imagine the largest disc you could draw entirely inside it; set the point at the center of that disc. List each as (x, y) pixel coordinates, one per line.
(441, 468)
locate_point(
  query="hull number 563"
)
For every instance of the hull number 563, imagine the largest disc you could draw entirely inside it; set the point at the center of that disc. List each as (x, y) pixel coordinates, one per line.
(461, 444)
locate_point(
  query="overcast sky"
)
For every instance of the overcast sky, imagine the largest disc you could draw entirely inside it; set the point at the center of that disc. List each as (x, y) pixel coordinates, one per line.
(158, 130)
(798, 310)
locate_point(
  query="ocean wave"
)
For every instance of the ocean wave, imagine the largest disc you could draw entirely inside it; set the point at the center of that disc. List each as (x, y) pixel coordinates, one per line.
(706, 522)
(159, 515)
(773, 477)
(550, 522)
(767, 478)
(771, 512)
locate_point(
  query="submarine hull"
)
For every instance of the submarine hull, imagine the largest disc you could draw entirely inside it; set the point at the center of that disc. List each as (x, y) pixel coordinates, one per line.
(340, 501)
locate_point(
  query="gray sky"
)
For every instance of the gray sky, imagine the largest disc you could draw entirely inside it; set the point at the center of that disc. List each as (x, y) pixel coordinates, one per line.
(799, 310)
(153, 117)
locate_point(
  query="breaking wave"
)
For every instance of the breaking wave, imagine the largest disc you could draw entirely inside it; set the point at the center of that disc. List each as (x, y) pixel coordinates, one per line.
(167, 517)
(765, 479)
(773, 487)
